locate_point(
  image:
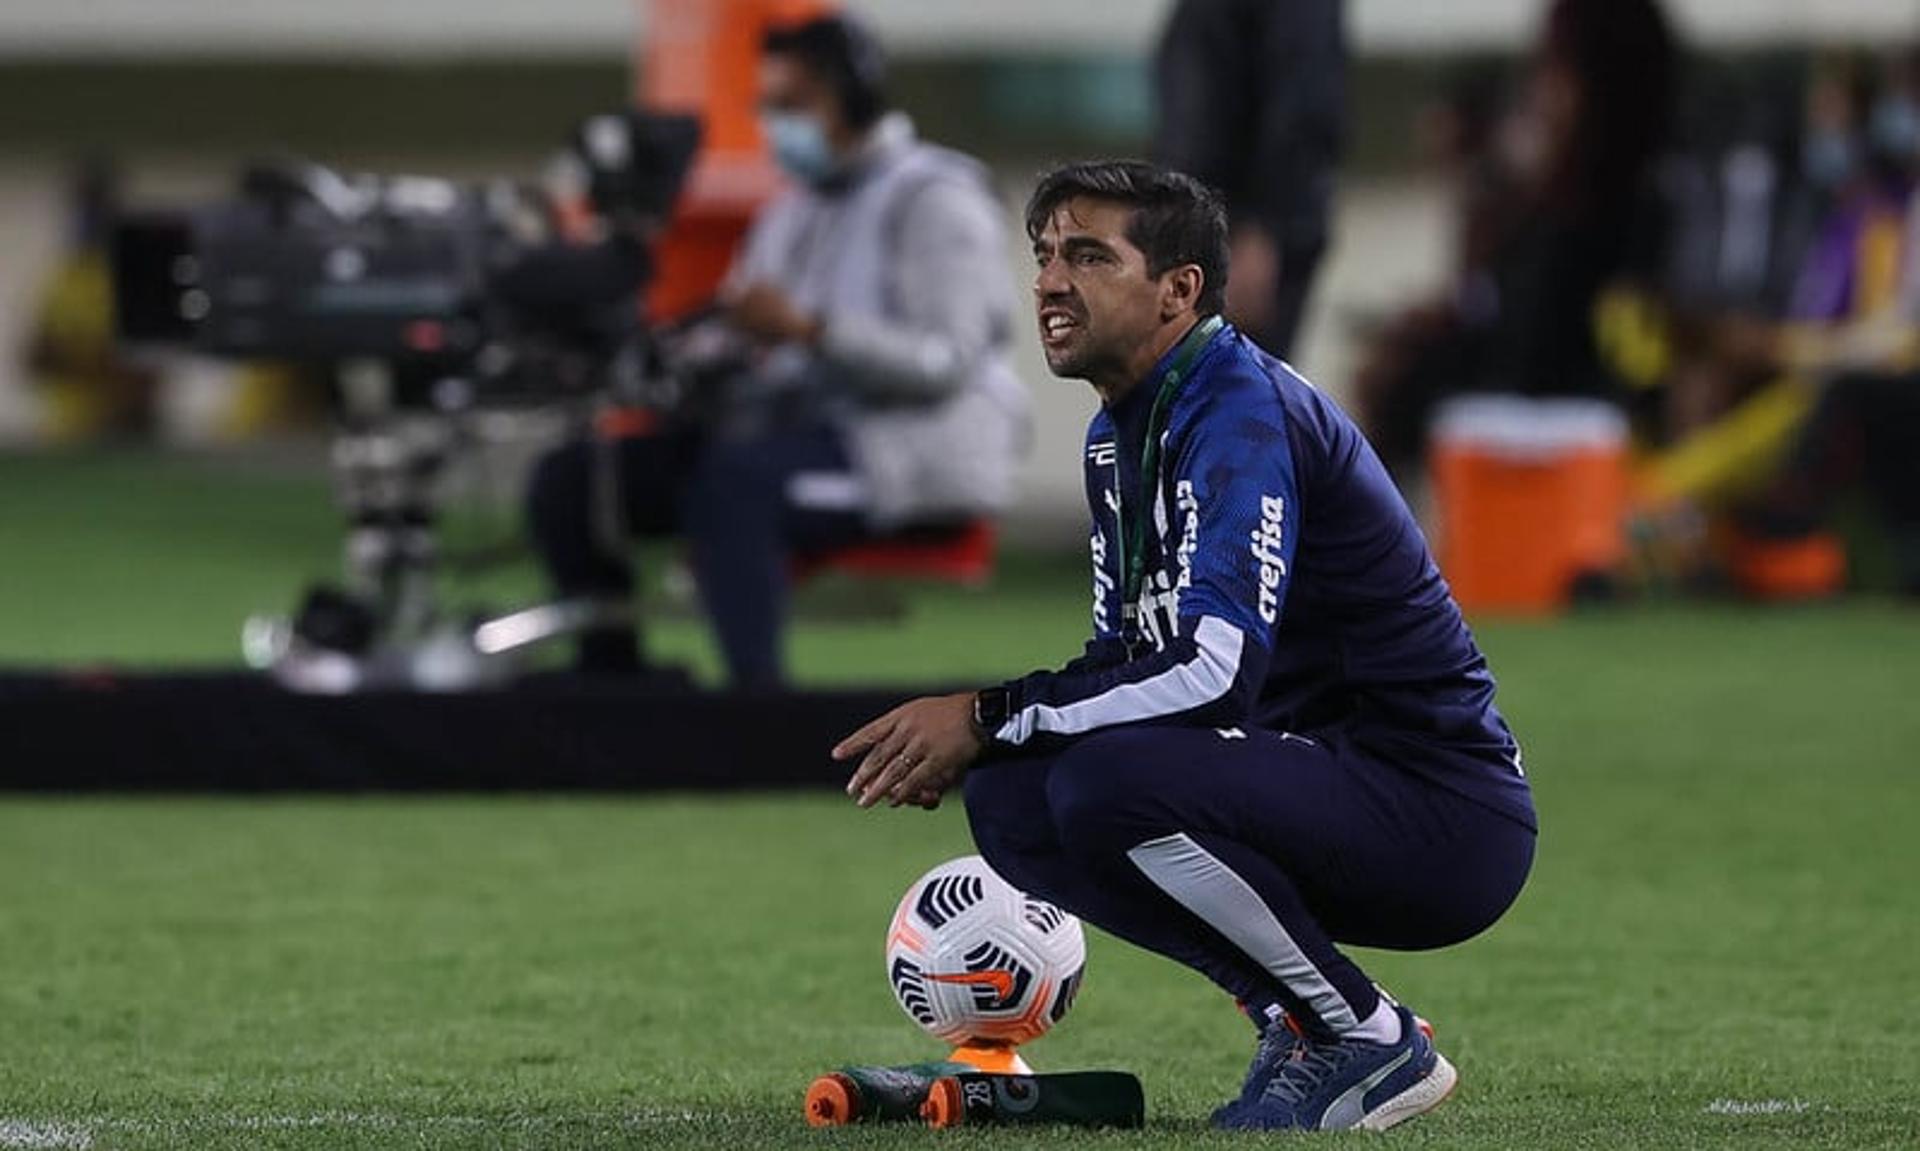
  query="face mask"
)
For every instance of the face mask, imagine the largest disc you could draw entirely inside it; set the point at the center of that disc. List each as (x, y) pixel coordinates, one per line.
(799, 145)
(1827, 158)
(1896, 128)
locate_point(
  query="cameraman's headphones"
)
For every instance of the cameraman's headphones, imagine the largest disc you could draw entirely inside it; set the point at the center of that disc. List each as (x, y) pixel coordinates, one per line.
(842, 50)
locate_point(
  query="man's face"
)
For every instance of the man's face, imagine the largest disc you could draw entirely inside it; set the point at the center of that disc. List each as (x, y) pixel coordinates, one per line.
(1095, 301)
(789, 87)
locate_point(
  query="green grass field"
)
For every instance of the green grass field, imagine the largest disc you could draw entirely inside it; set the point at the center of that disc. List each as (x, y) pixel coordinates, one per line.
(1717, 947)
(141, 562)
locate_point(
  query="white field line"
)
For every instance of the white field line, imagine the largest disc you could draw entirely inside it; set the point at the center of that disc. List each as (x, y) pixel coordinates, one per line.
(77, 1133)
(36, 1135)
(1757, 1107)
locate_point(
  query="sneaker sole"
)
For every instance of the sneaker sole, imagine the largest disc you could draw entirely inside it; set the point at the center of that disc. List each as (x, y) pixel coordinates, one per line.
(1418, 1099)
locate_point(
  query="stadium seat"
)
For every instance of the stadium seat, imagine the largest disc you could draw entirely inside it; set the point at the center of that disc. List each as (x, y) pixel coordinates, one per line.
(1786, 570)
(961, 554)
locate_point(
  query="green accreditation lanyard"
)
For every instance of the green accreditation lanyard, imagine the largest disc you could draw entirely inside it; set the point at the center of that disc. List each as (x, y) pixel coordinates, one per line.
(1133, 561)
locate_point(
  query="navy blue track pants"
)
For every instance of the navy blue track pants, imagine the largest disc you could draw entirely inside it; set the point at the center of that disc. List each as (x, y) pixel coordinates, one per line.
(1248, 855)
(738, 504)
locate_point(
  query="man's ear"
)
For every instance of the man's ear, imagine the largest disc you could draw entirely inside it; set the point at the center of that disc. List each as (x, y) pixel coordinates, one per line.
(1180, 290)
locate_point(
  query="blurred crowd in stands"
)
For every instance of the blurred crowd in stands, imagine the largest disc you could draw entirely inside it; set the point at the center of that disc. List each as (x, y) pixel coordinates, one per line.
(1728, 257)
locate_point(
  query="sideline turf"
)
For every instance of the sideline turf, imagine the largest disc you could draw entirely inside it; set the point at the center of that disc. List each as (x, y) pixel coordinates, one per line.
(150, 562)
(1715, 950)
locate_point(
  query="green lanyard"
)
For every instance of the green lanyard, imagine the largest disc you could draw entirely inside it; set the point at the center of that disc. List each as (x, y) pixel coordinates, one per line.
(1134, 563)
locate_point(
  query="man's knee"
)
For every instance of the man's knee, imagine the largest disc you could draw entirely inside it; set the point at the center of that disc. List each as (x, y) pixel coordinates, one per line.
(1105, 794)
(1007, 810)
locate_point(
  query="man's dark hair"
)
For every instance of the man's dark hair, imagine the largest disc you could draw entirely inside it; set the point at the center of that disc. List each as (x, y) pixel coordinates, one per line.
(840, 50)
(1176, 218)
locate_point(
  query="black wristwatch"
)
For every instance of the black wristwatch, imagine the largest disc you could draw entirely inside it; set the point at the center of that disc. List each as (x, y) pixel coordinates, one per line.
(990, 709)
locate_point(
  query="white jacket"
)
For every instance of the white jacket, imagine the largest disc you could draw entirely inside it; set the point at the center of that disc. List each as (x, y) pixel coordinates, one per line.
(906, 263)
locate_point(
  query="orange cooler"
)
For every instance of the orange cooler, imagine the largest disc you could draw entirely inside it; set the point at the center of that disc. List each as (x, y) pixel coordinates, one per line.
(1530, 496)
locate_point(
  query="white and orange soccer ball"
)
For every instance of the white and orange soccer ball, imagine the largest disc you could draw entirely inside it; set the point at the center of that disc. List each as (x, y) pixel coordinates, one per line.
(977, 962)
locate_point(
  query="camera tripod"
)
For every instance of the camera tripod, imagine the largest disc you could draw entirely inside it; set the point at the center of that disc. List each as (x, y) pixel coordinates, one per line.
(386, 626)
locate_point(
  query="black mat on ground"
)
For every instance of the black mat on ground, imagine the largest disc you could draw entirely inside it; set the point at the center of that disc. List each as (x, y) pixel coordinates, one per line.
(233, 732)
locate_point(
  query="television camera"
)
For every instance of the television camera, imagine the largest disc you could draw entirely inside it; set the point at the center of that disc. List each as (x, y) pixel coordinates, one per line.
(445, 317)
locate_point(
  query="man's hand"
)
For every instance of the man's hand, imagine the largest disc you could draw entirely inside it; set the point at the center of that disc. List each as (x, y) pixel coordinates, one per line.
(913, 753)
(764, 311)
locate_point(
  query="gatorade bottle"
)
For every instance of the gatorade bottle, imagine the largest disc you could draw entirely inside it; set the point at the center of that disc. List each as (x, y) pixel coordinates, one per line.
(874, 1094)
(1076, 1098)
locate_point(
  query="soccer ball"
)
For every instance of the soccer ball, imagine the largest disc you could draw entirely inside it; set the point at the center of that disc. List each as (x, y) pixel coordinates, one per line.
(976, 962)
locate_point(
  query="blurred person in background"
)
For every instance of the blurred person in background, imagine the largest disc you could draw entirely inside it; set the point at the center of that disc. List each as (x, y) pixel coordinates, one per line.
(876, 300)
(1456, 138)
(1252, 101)
(1721, 347)
(1857, 157)
(1770, 420)
(1577, 211)
(1852, 342)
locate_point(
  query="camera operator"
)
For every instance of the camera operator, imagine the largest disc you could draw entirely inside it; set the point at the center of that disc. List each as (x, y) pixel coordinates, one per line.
(876, 301)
